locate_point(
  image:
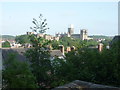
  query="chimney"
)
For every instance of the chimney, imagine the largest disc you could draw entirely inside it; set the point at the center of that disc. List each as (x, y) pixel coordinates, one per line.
(72, 48)
(62, 49)
(50, 47)
(68, 49)
(100, 47)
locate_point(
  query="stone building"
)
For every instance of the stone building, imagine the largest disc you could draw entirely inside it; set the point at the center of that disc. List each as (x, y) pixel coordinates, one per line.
(83, 35)
(71, 29)
(40, 35)
(48, 37)
(29, 33)
(45, 36)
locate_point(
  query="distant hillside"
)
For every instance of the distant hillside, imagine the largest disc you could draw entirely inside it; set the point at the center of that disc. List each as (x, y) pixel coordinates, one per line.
(8, 37)
(101, 37)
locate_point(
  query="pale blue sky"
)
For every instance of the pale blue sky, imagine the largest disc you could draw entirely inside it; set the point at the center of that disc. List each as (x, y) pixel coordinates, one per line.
(100, 18)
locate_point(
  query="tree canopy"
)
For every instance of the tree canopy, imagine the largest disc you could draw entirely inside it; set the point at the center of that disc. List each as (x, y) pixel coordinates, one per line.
(22, 39)
(39, 55)
(17, 74)
(6, 44)
(69, 42)
(89, 65)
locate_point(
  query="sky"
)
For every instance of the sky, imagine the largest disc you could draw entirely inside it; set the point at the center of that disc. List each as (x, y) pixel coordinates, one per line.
(99, 18)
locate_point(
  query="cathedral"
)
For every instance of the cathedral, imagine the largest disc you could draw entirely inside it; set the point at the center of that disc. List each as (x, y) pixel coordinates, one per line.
(83, 33)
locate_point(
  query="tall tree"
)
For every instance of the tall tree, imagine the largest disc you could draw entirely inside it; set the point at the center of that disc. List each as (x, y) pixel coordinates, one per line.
(39, 55)
(40, 26)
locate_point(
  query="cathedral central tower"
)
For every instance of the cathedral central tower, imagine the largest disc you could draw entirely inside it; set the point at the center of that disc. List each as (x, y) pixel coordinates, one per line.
(71, 29)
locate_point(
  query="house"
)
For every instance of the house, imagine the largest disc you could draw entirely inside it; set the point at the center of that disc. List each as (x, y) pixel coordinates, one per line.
(56, 53)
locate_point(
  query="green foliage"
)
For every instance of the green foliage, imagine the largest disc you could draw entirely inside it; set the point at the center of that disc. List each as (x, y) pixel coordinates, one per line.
(106, 42)
(63, 72)
(17, 74)
(55, 44)
(22, 39)
(91, 43)
(39, 58)
(101, 36)
(40, 26)
(39, 55)
(67, 41)
(84, 62)
(90, 65)
(6, 44)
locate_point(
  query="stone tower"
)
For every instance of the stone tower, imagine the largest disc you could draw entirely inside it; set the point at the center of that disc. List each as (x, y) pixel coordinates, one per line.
(71, 29)
(83, 34)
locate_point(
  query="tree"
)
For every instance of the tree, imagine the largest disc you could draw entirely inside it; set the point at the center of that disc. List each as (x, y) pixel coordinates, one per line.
(17, 74)
(6, 44)
(40, 26)
(22, 39)
(39, 55)
(89, 65)
(62, 72)
(55, 44)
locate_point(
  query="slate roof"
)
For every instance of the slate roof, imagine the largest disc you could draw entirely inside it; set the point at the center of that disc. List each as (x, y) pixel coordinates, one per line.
(20, 52)
(82, 85)
(57, 53)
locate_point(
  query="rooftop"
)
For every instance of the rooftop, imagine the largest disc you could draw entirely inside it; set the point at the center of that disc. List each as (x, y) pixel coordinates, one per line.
(82, 85)
(56, 53)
